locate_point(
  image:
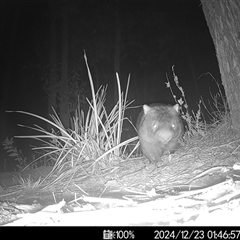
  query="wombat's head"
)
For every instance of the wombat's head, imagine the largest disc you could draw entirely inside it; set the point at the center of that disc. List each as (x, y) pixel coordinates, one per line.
(163, 122)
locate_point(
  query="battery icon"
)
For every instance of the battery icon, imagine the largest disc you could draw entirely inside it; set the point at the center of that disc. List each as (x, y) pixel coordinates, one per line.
(107, 234)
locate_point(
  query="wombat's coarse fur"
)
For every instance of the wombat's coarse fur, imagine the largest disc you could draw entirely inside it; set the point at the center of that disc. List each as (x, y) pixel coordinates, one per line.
(159, 129)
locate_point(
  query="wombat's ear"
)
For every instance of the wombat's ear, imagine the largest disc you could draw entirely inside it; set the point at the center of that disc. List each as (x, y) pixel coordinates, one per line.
(176, 107)
(146, 109)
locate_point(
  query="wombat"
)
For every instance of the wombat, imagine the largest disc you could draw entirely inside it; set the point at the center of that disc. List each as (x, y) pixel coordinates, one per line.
(159, 129)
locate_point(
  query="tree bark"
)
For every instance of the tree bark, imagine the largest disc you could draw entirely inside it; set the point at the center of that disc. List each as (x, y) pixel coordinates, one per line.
(53, 76)
(8, 43)
(117, 50)
(64, 116)
(223, 19)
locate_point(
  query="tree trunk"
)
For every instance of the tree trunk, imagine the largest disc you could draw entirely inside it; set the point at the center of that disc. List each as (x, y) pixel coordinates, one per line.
(117, 51)
(7, 54)
(223, 19)
(64, 116)
(53, 77)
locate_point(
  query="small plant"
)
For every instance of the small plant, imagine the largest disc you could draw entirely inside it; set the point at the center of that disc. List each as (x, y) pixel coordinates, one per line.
(195, 123)
(28, 184)
(21, 161)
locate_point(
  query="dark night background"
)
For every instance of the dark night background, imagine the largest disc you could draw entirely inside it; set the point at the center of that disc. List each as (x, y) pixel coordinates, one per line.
(155, 34)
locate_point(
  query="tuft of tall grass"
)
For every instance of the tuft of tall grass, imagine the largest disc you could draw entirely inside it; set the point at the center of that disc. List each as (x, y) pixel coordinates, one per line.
(93, 137)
